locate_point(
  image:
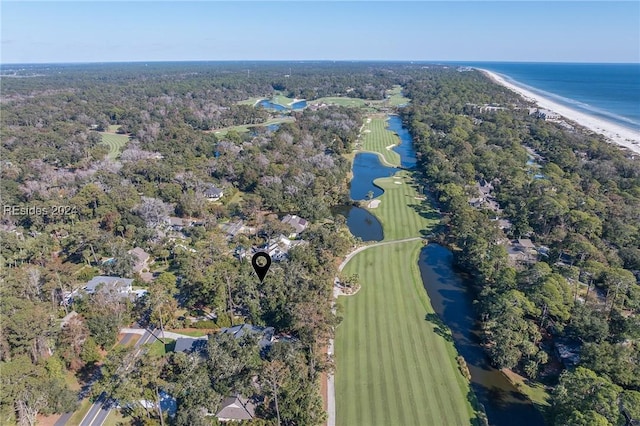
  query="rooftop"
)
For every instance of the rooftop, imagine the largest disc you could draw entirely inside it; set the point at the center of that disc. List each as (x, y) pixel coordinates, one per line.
(123, 285)
(236, 408)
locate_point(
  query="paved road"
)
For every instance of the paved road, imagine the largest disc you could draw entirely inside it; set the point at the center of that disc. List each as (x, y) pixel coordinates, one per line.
(63, 419)
(101, 408)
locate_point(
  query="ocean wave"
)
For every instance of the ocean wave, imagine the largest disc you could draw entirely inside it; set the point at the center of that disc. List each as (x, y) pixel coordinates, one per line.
(626, 121)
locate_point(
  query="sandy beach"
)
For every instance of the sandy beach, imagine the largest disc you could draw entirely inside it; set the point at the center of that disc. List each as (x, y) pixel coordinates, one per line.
(615, 133)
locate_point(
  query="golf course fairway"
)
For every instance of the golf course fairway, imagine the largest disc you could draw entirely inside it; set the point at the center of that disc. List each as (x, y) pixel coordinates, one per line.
(391, 366)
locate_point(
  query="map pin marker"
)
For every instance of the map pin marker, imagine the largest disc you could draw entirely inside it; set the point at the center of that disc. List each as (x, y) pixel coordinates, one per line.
(261, 262)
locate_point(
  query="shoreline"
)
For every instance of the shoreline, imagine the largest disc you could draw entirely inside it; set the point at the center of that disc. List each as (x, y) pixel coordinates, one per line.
(614, 133)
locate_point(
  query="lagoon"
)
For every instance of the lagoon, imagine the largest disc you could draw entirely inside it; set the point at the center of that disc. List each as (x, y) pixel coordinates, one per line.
(277, 107)
(361, 223)
(450, 293)
(366, 168)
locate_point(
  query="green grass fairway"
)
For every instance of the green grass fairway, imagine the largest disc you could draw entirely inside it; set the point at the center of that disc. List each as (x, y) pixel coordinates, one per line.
(395, 96)
(401, 213)
(376, 138)
(338, 100)
(282, 100)
(115, 143)
(246, 127)
(391, 367)
(251, 101)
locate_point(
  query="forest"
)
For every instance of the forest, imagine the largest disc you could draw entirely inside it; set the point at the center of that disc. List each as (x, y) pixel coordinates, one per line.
(579, 204)
(52, 156)
(581, 207)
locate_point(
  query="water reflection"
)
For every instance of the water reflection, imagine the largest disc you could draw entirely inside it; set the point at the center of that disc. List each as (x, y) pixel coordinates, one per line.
(453, 304)
(366, 168)
(361, 223)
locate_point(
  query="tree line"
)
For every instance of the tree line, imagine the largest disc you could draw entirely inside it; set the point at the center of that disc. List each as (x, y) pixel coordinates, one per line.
(582, 204)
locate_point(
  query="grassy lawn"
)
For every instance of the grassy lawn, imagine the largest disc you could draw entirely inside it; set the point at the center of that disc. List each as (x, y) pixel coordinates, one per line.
(79, 414)
(534, 390)
(114, 418)
(391, 367)
(283, 100)
(376, 138)
(158, 348)
(339, 100)
(115, 143)
(251, 101)
(246, 127)
(395, 96)
(193, 332)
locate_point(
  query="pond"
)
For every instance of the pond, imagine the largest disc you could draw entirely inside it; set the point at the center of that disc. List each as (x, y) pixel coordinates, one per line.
(361, 223)
(405, 148)
(299, 105)
(270, 105)
(277, 107)
(366, 168)
(449, 292)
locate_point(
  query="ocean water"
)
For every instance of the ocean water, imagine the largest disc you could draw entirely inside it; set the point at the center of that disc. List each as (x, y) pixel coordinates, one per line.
(609, 91)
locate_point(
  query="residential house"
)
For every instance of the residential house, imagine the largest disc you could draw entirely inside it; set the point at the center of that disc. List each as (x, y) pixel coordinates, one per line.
(232, 229)
(545, 114)
(525, 245)
(236, 408)
(279, 248)
(522, 251)
(142, 260)
(299, 224)
(110, 284)
(189, 344)
(486, 198)
(264, 333)
(213, 193)
(504, 224)
(178, 223)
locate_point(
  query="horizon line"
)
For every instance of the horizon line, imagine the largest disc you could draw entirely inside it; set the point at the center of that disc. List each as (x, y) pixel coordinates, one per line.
(404, 61)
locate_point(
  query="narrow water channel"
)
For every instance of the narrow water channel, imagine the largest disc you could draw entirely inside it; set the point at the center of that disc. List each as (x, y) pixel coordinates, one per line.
(450, 297)
(453, 302)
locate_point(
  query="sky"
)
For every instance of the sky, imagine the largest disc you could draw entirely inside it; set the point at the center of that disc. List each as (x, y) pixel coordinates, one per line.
(522, 31)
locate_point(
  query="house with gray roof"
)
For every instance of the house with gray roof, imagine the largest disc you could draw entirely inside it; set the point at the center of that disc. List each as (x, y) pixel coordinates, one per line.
(189, 344)
(299, 224)
(236, 408)
(142, 259)
(264, 333)
(111, 284)
(213, 193)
